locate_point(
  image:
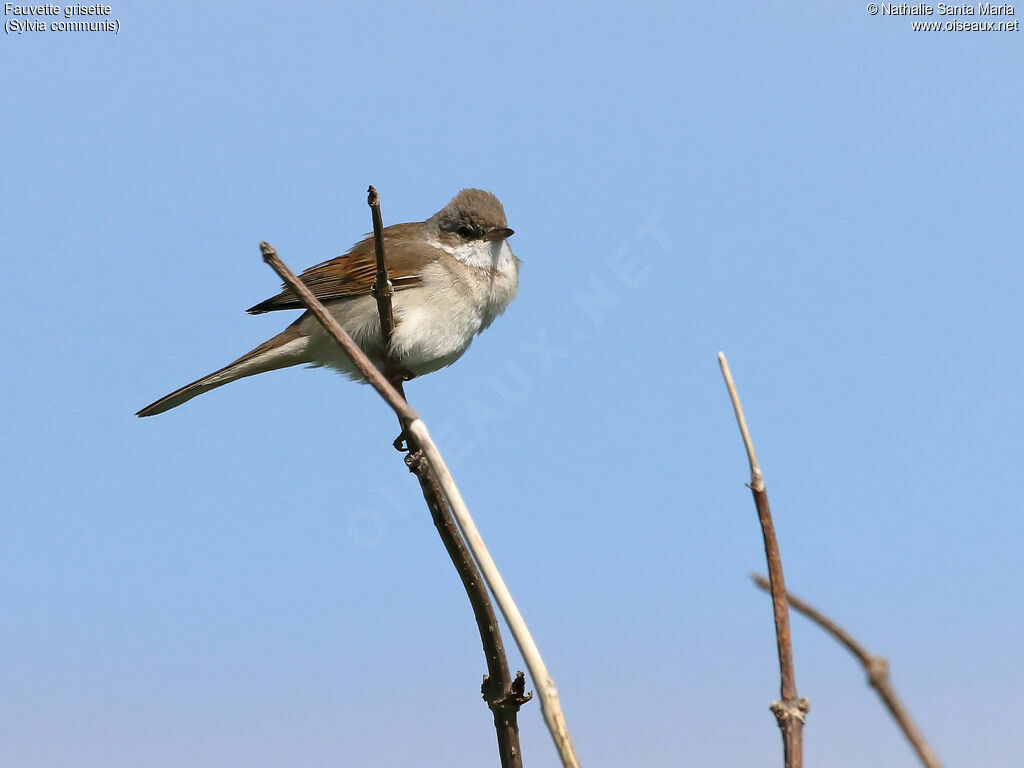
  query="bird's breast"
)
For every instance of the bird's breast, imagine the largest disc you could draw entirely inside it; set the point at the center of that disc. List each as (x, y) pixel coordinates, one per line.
(456, 300)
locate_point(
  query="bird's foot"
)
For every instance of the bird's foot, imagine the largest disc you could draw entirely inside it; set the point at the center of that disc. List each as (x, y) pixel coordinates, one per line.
(401, 443)
(398, 376)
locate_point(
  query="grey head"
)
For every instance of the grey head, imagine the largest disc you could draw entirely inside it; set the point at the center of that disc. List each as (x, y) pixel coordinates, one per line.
(473, 214)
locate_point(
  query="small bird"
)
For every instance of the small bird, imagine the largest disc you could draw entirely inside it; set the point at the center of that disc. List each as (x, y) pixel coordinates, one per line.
(453, 274)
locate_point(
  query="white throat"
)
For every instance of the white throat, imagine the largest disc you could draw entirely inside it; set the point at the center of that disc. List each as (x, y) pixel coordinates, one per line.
(482, 254)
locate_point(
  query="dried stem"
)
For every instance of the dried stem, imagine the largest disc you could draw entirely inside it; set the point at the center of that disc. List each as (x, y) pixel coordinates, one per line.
(503, 696)
(550, 704)
(791, 710)
(877, 669)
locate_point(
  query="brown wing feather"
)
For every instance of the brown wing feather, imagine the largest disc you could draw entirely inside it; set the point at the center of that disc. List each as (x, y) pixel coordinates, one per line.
(354, 273)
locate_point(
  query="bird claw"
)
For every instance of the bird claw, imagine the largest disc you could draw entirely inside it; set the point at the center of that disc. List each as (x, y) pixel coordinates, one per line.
(401, 443)
(399, 376)
(396, 377)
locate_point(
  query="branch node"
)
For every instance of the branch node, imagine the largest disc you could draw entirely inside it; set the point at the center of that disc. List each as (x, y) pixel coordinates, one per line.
(508, 700)
(785, 711)
(414, 460)
(877, 668)
(756, 483)
(878, 671)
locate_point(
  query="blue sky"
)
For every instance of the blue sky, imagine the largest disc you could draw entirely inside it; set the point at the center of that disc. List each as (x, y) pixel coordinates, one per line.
(252, 578)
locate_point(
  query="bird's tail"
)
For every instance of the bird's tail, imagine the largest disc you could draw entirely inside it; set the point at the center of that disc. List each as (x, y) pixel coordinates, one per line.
(285, 349)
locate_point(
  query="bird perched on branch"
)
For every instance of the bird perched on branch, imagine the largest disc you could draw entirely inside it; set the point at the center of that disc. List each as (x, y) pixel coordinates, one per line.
(453, 274)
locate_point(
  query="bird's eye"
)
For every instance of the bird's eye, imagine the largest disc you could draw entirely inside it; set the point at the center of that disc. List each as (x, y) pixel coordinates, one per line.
(466, 232)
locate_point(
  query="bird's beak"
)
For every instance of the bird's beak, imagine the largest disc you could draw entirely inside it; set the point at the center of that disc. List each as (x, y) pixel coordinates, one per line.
(498, 233)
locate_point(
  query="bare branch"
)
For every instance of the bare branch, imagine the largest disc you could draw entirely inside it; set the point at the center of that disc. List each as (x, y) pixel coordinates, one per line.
(382, 290)
(416, 428)
(877, 669)
(549, 702)
(502, 695)
(790, 711)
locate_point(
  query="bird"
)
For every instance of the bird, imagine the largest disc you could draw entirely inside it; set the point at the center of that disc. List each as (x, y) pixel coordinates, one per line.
(453, 275)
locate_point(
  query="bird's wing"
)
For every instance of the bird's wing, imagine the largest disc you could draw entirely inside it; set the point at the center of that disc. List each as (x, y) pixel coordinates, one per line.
(353, 274)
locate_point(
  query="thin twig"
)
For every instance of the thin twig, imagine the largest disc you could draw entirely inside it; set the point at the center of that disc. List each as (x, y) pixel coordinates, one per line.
(756, 478)
(791, 710)
(503, 696)
(550, 704)
(382, 289)
(877, 669)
